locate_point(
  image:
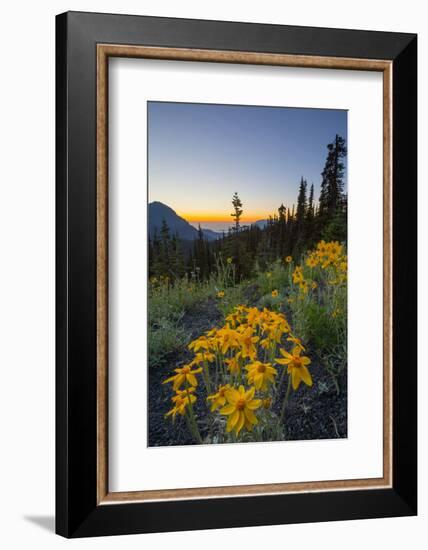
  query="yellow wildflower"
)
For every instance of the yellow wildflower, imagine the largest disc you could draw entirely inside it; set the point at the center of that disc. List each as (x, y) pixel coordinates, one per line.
(201, 357)
(311, 261)
(253, 316)
(314, 285)
(265, 343)
(184, 374)
(219, 398)
(181, 400)
(239, 409)
(267, 402)
(200, 343)
(298, 275)
(274, 293)
(234, 318)
(268, 274)
(275, 332)
(304, 287)
(296, 366)
(229, 260)
(233, 364)
(227, 339)
(247, 341)
(296, 341)
(220, 294)
(260, 374)
(329, 253)
(288, 259)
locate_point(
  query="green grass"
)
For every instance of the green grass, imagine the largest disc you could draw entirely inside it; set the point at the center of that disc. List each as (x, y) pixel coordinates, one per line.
(169, 301)
(165, 337)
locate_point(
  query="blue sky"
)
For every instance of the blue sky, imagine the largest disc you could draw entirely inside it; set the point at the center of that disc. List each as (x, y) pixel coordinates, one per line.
(200, 154)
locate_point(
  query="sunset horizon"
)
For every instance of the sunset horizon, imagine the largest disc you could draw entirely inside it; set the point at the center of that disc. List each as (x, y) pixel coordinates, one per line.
(200, 155)
(221, 217)
(211, 218)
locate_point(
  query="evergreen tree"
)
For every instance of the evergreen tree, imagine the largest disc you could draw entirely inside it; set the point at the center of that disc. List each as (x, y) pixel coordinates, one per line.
(164, 250)
(331, 218)
(311, 212)
(177, 258)
(200, 253)
(310, 217)
(282, 230)
(302, 206)
(237, 205)
(332, 184)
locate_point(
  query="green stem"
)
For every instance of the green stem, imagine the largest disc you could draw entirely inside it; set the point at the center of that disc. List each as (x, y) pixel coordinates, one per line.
(195, 430)
(284, 405)
(281, 380)
(216, 370)
(207, 377)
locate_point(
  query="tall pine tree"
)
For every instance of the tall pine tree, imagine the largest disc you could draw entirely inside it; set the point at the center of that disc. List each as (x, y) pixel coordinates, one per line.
(302, 206)
(332, 208)
(237, 213)
(310, 218)
(332, 184)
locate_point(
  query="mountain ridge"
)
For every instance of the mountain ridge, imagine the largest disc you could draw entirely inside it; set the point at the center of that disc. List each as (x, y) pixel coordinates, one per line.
(159, 211)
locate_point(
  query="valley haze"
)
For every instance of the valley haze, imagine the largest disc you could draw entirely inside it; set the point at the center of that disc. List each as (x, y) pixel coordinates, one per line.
(159, 212)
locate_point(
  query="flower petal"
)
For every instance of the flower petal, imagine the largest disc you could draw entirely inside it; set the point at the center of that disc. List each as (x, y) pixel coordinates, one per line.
(251, 417)
(254, 404)
(178, 381)
(191, 379)
(250, 393)
(306, 376)
(240, 422)
(232, 420)
(295, 378)
(232, 396)
(228, 409)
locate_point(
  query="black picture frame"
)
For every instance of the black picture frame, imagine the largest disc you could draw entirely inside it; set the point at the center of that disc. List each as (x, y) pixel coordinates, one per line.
(77, 511)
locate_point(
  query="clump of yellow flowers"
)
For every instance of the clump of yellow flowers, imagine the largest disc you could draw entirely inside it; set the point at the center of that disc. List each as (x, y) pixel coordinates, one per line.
(248, 367)
(328, 257)
(317, 297)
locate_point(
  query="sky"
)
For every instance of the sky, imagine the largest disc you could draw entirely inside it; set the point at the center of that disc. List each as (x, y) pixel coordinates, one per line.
(200, 154)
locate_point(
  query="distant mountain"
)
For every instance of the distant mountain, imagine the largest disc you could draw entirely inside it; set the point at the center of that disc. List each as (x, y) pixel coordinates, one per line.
(211, 235)
(158, 212)
(261, 223)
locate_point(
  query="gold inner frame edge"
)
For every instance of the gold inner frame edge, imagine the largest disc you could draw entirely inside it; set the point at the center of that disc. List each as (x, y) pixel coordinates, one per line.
(104, 51)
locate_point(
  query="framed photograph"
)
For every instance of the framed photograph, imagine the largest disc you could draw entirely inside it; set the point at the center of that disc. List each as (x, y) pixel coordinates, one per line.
(236, 274)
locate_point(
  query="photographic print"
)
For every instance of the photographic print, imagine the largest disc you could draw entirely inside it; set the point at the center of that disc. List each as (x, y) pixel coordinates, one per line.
(247, 273)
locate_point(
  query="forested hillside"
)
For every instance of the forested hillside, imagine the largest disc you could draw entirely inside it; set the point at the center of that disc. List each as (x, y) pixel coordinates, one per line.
(177, 248)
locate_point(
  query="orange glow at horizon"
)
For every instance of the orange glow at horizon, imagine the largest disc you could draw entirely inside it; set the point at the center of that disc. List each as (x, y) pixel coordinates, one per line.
(249, 217)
